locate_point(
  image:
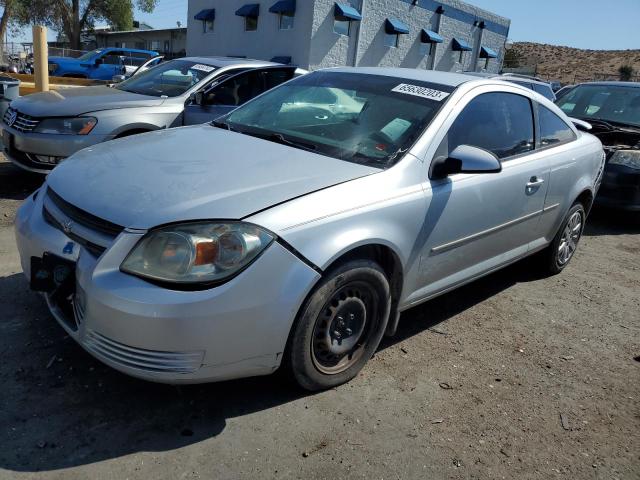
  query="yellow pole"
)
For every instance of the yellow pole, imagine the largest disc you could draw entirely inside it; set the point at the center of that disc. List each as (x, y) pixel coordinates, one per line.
(40, 58)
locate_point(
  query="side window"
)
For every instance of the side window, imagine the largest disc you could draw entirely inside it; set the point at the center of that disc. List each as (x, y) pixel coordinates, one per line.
(501, 123)
(553, 130)
(113, 58)
(236, 90)
(274, 77)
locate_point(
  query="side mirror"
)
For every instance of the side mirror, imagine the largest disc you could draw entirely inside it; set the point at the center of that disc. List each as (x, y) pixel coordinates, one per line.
(466, 159)
(99, 61)
(118, 78)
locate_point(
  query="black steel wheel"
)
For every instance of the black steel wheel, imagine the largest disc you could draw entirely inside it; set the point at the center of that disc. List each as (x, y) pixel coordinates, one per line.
(340, 326)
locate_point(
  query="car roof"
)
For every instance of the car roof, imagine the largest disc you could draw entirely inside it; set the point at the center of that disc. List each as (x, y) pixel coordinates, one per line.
(136, 50)
(443, 78)
(227, 61)
(613, 84)
(509, 78)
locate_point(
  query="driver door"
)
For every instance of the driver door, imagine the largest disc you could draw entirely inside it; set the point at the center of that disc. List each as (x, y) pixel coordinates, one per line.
(477, 222)
(227, 93)
(108, 65)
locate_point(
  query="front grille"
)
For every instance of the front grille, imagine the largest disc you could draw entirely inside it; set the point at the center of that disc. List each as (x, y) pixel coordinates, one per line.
(93, 233)
(142, 359)
(22, 123)
(93, 248)
(84, 218)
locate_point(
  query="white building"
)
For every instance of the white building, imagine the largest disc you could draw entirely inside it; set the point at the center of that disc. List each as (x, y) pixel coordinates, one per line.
(445, 35)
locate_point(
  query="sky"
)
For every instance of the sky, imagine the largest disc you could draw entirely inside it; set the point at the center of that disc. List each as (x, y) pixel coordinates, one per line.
(591, 24)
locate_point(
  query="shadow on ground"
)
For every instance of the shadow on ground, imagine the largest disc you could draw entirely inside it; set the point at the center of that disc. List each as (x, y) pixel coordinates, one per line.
(15, 183)
(61, 408)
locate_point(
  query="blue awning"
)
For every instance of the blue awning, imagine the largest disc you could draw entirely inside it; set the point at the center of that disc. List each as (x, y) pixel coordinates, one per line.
(486, 52)
(249, 10)
(284, 6)
(427, 36)
(342, 11)
(393, 25)
(461, 46)
(281, 59)
(206, 14)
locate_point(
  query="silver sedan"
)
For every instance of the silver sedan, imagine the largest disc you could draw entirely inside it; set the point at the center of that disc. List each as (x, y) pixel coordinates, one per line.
(41, 130)
(294, 230)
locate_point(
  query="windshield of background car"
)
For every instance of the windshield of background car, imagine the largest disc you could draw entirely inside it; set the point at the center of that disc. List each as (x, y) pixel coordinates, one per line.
(368, 119)
(169, 79)
(611, 103)
(89, 55)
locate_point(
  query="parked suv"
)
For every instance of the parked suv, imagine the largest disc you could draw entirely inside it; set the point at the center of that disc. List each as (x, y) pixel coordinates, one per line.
(100, 64)
(296, 228)
(42, 129)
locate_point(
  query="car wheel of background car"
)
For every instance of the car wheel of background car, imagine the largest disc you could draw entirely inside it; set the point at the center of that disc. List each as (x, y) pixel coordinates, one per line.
(340, 326)
(564, 245)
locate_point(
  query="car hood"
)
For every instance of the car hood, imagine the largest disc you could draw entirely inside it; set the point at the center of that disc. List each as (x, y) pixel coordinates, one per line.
(76, 101)
(192, 173)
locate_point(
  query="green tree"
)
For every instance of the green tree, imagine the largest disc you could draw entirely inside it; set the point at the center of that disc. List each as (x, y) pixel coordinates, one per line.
(626, 72)
(72, 17)
(8, 15)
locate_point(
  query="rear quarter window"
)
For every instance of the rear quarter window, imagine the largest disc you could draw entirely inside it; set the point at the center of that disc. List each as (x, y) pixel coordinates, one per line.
(544, 91)
(553, 129)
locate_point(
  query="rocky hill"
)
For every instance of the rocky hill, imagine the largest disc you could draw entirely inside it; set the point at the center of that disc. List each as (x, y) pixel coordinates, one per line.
(571, 65)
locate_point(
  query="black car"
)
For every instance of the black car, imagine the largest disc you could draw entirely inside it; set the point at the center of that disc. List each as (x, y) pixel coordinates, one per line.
(613, 110)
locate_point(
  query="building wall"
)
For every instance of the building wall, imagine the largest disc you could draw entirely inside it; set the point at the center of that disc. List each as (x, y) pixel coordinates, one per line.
(145, 39)
(329, 49)
(313, 44)
(230, 39)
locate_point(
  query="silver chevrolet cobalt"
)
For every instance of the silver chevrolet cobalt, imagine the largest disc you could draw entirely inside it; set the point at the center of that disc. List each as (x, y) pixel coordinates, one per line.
(294, 230)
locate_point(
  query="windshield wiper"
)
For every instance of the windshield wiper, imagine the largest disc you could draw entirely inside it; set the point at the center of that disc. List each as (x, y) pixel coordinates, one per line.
(279, 138)
(598, 122)
(224, 125)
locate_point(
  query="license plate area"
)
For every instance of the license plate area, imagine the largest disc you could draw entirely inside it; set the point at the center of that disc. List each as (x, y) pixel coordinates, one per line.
(51, 274)
(56, 277)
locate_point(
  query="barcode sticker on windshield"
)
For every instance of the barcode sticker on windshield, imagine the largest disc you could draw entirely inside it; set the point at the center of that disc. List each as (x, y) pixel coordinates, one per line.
(203, 68)
(419, 91)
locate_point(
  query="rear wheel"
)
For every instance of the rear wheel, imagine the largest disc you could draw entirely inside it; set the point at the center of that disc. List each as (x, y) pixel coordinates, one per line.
(565, 243)
(340, 326)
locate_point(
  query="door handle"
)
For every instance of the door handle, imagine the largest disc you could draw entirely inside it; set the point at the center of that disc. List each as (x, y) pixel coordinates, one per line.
(535, 182)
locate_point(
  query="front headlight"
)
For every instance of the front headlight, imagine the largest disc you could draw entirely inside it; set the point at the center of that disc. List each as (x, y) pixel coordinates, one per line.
(67, 126)
(628, 158)
(196, 253)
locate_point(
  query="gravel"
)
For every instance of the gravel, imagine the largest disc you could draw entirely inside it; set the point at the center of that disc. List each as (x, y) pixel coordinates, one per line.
(512, 376)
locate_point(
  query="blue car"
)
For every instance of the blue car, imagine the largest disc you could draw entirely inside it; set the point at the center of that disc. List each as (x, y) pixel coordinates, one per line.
(100, 64)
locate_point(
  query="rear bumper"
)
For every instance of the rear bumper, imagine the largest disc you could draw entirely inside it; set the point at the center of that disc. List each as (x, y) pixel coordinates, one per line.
(237, 329)
(620, 188)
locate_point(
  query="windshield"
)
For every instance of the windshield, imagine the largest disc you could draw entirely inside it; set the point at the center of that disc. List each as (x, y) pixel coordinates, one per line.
(169, 79)
(89, 55)
(611, 103)
(368, 119)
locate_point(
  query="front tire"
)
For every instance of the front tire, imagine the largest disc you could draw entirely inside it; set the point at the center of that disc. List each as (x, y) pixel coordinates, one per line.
(340, 325)
(560, 252)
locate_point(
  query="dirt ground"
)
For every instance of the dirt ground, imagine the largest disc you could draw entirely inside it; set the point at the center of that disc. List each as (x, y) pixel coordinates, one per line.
(513, 376)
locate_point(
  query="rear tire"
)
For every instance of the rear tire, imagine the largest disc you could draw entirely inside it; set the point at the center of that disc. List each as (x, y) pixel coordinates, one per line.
(561, 250)
(340, 325)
